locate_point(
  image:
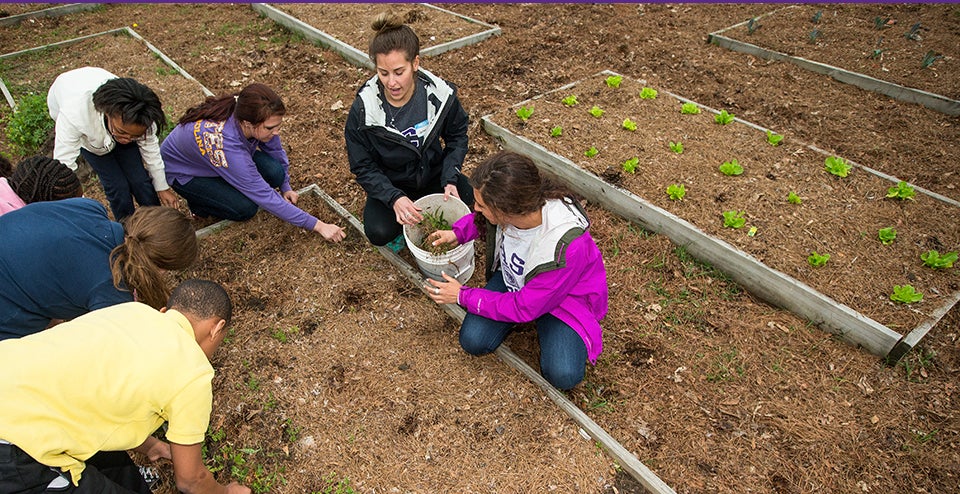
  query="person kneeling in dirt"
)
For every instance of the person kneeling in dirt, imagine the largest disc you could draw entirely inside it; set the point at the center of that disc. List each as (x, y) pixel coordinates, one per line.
(77, 396)
(37, 179)
(226, 159)
(114, 122)
(62, 259)
(546, 268)
(394, 132)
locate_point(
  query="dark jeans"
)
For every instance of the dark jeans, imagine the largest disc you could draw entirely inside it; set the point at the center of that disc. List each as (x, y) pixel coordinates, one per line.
(123, 178)
(213, 196)
(380, 221)
(563, 355)
(107, 472)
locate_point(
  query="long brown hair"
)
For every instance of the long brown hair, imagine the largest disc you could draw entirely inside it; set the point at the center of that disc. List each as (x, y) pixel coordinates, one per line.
(156, 238)
(255, 103)
(392, 34)
(511, 183)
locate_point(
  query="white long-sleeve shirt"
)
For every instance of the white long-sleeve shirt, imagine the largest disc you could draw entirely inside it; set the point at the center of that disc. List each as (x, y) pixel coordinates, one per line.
(80, 125)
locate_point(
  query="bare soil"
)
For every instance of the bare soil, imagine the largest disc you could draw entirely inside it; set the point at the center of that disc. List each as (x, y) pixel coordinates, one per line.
(340, 369)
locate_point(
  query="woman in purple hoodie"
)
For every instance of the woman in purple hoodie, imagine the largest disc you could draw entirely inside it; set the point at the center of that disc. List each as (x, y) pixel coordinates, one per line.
(226, 159)
(547, 269)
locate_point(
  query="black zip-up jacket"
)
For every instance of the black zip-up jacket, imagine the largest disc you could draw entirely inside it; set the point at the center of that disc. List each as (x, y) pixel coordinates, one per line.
(381, 158)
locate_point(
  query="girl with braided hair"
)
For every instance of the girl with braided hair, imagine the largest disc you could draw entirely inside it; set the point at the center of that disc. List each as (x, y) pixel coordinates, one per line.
(36, 179)
(62, 259)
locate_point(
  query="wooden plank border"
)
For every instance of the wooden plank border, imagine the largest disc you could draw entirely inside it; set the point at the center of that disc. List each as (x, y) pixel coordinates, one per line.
(930, 100)
(765, 282)
(614, 449)
(57, 11)
(358, 57)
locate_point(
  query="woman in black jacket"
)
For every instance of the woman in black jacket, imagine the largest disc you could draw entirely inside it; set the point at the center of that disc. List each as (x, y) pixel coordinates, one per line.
(406, 134)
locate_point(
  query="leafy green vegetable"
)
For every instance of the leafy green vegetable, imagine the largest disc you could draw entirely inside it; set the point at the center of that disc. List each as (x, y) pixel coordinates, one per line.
(630, 166)
(648, 93)
(730, 168)
(590, 153)
(773, 139)
(933, 259)
(556, 131)
(723, 118)
(902, 191)
(524, 113)
(733, 219)
(817, 260)
(614, 81)
(816, 17)
(905, 294)
(629, 124)
(880, 23)
(689, 109)
(837, 166)
(436, 220)
(928, 59)
(570, 100)
(793, 198)
(913, 33)
(676, 192)
(887, 235)
(30, 125)
(596, 111)
(676, 147)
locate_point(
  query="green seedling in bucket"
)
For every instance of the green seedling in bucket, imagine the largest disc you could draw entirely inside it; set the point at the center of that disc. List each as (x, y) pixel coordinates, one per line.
(432, 222)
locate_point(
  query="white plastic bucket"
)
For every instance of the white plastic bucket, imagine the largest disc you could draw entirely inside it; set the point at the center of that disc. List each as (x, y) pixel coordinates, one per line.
(457, 262)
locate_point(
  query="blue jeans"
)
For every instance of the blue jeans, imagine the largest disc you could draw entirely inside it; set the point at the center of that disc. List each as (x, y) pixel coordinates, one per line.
(213, 196)
(380, 221)
(123, 178)
(563, 355)
(107, 472)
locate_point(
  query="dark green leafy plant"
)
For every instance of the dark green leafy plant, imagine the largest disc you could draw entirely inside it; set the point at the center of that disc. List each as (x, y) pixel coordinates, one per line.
(887, 235)
(902, 191)
(913, 33)
(817, 260)
(928, 59)
(752, 25)
(905, 294)
(30, 125)
(837, 166)
(812, 36)
(816, 17)
(733, 219)
(731, 168)
(723, 118)
(933, 259)
(880, 23)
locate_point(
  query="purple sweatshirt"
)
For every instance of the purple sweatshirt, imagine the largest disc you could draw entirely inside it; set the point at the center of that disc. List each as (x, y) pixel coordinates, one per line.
(574, 292)
(207, 148)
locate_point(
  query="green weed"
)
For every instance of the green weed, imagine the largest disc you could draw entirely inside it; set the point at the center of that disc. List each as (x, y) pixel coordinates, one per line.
(30, 124)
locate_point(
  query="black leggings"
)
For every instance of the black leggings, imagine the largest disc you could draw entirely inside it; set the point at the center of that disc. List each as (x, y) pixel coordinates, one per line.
(380, 222)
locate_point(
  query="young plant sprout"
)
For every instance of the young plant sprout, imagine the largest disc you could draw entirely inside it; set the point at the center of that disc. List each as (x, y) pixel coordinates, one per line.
(733, 219)
(524, 113)
(793, 198)
(813, 35)
(590, 153)
(648, 93)
(723, 118)
(773, 139)
(614, 81)
(816, 17)
(913, 33)
(596, 111)
(630, 166)
(928, 59)
(837, 166)
(689, 109)
(905, 294)
(629, 124)
(676, 192)
(902, 191)
(817, 260)
(933, 259)
(752, 25)
(880, 23)
(887, 235)
(570, 100)
(731, 168)
(676, 147)
(556, 131)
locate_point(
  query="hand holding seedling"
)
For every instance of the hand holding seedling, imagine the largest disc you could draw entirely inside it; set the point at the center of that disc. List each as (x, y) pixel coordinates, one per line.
(443, 292)
(331, 233)
(441, 237)
(407, 212)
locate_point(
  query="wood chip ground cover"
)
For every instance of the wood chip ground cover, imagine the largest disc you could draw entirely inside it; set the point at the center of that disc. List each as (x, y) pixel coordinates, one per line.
(838, 216)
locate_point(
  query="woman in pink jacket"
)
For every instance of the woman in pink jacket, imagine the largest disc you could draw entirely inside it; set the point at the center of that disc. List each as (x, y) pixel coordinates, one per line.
(548, 269)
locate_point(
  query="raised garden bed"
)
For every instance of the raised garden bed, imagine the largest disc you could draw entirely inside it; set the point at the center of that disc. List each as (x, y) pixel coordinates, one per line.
(841, 217)
(345, 28)
(908, 52)
(15, 13)
(120, 51)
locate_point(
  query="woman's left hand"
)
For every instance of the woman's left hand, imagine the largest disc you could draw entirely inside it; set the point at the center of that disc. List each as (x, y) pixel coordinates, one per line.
(291, 196)
(450, 190)
(443, 292)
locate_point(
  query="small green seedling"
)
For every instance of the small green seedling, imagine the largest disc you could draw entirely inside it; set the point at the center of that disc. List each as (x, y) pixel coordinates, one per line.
(817, 260)
(590, 153)
(630, 166)
(902, 191)
(793, 198)
(913, 33)
(596, 111)
(556, 131)
(733, 219)
(689, 109)
(648, 93)
(676, 147)
(525, 113)
(887, 235)
(813, 35)
(629, 124)
(933, 259)
(773, 139)
(614, 81)
(752, 25)
(881, 23)
(877, 53)
(731, 168)
(723, 118)
(816, 17)
(570, 100)
(676, 192)
(928, 59)
(436, 220)
(905, 294)
(837, 166)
